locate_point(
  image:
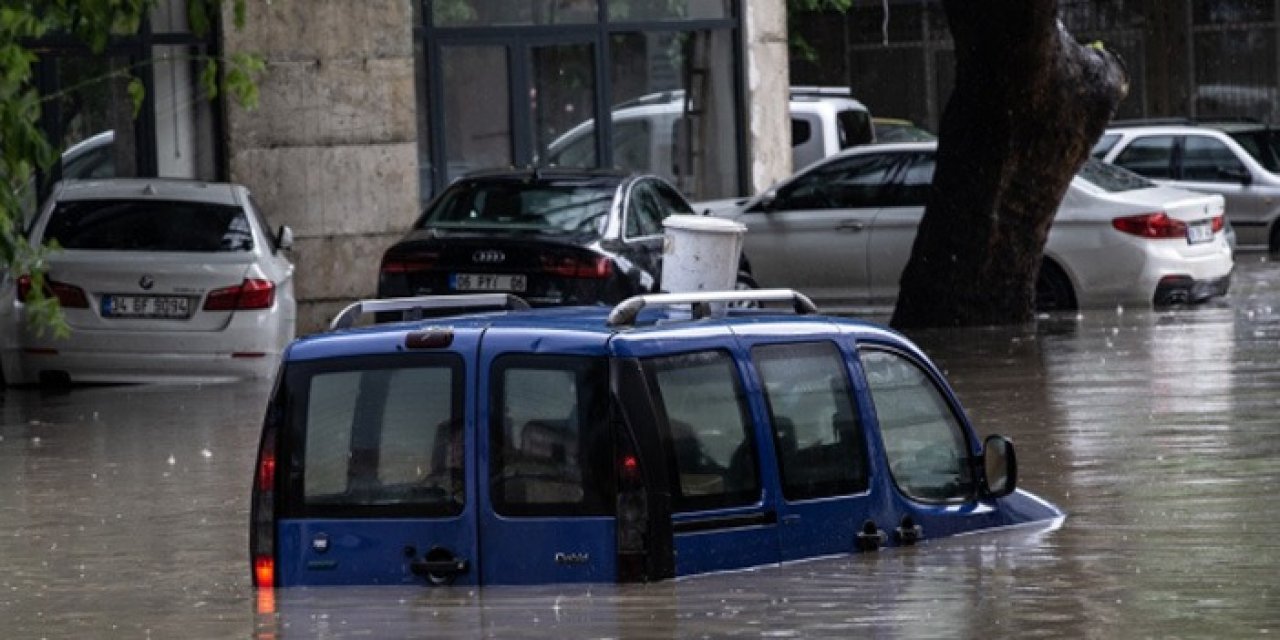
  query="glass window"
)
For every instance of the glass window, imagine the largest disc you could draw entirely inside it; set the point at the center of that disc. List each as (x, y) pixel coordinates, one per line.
(672, 201)
(550, 447)
(1104, 144)
(458, 13)
(645, 211)
(801, 131)
(1263, 145)
(848, 183)
(815, 427)
(1111, 178)
(562, 96)
(668, 9)
(855, 128)
(149, 225)
(385, 437)
(710, 430)
(927, 451)
(476, 105)
(1207, 159)
(1149, 156)
(917, 180)
(571, 206)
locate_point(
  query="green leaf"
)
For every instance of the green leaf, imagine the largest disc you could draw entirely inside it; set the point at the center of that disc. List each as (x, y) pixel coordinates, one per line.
(209, 78)
(198, 17)
(136, 94)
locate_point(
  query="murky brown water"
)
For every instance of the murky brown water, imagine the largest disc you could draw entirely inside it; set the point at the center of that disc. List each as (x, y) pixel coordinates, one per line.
(123, 510)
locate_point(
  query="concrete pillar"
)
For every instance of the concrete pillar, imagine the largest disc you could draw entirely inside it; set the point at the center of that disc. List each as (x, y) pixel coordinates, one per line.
(768, 93)
(332, 149)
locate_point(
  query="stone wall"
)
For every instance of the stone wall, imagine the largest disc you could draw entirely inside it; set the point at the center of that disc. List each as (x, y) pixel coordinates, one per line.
(331, 150)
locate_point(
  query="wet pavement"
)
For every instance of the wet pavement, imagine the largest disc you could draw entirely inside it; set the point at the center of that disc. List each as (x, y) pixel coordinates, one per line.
(123, 510)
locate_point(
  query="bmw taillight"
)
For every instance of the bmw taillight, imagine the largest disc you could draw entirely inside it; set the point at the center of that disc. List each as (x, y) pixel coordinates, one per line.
(262, 538)
(1156, 225)
(253, 293)
(1219, 223)
(69, 296)
(569, 266)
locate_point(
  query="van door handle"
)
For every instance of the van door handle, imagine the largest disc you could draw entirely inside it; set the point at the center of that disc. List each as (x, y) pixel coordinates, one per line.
(851, 225)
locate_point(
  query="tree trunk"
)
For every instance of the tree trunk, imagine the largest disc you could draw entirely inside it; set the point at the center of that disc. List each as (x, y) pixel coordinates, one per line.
(1029, 102)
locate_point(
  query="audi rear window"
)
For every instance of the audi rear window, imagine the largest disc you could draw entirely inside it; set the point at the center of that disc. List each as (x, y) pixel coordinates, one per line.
(149, 225)
(531, 206)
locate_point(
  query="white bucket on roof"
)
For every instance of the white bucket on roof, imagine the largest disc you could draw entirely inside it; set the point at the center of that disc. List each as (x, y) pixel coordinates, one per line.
(700, 253)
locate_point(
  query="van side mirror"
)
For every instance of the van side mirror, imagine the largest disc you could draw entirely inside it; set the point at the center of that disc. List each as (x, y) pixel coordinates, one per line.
(1000, 467)
(284, 238)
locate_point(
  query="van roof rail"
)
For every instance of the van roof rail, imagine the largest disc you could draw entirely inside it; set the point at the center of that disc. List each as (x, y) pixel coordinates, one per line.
(624, 314)
(416, 305)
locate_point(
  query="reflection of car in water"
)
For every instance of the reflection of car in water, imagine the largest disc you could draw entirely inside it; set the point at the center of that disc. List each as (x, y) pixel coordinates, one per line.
(645, 130)
(610, 444)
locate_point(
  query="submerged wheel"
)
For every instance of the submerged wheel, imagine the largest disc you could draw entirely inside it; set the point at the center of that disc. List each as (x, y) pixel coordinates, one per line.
(1053, 289)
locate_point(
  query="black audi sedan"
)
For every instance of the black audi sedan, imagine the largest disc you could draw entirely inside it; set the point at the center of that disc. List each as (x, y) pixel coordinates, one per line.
(550, 236)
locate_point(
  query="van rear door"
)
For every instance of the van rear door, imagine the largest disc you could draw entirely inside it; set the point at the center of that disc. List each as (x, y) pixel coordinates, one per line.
(377, 488)
(547, 464)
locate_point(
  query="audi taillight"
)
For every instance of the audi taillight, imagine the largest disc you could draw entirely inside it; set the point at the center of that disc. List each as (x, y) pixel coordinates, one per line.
(569, 266)
(1156, 225)
(262, 535)
(69, 296)
(253, 293)
(409, 264)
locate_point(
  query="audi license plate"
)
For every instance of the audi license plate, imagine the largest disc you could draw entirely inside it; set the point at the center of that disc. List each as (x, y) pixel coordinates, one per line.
(1199, 232)
(166, 307)
(487, 282)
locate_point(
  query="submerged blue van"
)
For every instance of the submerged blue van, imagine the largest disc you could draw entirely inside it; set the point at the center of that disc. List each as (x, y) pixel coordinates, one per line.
(668, 436)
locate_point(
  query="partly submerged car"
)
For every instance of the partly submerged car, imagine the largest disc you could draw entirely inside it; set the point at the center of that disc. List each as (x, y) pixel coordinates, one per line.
(667, 436)
(159, 280)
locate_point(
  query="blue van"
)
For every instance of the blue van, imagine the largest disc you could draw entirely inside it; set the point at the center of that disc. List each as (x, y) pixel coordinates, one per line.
(671, 435)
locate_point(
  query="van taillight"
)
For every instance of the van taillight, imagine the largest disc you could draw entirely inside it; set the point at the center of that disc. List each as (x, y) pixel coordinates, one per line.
(632, 503)
(69, 296)
(262, 535)
(253, 293)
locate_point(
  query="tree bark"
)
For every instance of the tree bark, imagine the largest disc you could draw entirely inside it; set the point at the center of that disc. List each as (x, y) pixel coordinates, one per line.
(1028, 104)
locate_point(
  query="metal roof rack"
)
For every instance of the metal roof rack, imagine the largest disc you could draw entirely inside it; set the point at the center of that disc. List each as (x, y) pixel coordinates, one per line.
(624, 314)
(413, 308)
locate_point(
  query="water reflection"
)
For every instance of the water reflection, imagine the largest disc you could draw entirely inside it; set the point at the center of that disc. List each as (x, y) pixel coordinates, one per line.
(123, 510)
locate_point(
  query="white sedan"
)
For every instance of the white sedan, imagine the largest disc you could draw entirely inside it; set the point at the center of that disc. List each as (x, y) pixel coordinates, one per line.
(159, 281)
(842, 229)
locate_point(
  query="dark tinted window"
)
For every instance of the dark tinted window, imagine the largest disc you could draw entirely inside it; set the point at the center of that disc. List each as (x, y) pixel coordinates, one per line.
(913, 188)
(710, 430)
(149, 225)
(1151, 156)
(550, 451)
(1263, 145)
(815, 427)
(801, 131)
(845, 183)
(645, 211)
(1112, 178)
(671, 199)
(1209, 160)
(855, 128)
(385, 438)
(520, 205)
(1104, 144)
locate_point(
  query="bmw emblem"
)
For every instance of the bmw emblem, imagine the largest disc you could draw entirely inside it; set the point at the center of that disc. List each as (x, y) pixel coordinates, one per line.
(146, 282)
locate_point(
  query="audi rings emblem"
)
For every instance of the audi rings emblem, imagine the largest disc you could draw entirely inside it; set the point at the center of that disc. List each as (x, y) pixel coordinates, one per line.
(146, 282)
(488, 256)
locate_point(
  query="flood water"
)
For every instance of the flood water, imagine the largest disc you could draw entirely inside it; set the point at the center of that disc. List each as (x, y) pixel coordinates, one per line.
(123, 510)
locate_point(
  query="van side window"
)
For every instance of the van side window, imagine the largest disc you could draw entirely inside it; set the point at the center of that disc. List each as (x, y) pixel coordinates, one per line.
(550, 448)
(382, 437)
(924, 441)
(819, 442)
(710, 430)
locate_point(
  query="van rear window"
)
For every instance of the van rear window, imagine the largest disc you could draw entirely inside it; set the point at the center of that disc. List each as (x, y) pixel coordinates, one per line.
(550, 444)
(385, 437)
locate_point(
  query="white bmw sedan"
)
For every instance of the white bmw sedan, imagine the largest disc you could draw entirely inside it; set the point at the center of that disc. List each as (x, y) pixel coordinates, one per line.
(842, 229)
(159, 281)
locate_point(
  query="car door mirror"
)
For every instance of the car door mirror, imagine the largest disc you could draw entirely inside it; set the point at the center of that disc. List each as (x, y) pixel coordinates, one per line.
(1236, 174)
(284, 238)
(1000, 467)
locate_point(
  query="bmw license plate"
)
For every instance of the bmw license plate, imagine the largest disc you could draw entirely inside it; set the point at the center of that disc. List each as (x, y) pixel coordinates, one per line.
(487, 282)
(165, 307)
(1199, 232)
